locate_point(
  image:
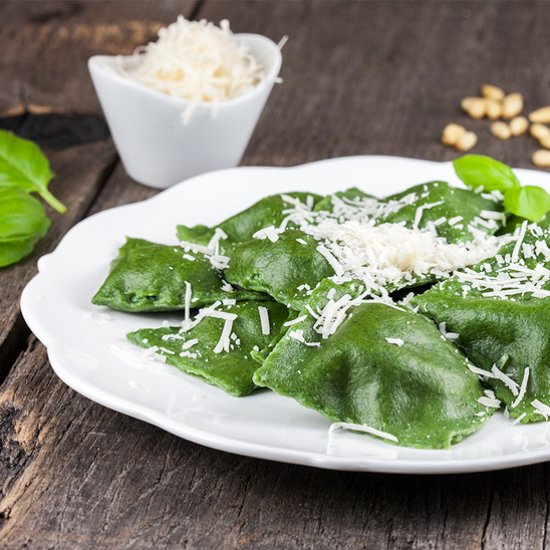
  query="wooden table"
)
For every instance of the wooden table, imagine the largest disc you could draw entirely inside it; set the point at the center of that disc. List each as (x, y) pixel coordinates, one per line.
(359, 78)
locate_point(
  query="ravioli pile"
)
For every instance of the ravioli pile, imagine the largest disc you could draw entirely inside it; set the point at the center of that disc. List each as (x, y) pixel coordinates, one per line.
(413, 317)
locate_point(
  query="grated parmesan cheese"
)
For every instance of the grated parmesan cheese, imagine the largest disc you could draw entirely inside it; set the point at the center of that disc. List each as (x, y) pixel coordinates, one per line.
(299, 336)
(503, 377)
(197, 62)
(522, 388)
(360, 428)
(269, 232)
(489, 400)
(295, 321)
(517, 247)
(395, 341)
(519, 419)
(189, 344)
(451, 336)
(541, 408)
(187, 315)
(480, 372)
(264, 320)
(225, 338)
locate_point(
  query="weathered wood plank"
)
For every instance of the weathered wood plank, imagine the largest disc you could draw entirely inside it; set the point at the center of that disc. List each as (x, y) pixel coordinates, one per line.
(386, 77)
(80, 174)
(360, 78)
(45, 46)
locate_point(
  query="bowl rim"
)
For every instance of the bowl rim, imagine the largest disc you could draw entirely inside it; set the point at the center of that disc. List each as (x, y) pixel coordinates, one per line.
(103, 64)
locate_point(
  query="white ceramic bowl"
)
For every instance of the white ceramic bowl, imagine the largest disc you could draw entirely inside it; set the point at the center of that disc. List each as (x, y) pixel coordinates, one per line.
(155, 146)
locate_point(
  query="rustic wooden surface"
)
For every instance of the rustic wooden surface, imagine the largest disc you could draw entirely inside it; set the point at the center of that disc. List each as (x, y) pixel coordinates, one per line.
(359, 78)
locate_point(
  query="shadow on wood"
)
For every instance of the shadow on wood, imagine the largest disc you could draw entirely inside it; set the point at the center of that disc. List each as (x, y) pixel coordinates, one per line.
(57, 130)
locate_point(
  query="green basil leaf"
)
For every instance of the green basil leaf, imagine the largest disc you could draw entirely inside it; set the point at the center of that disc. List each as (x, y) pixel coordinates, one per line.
(529, 202)
(23, 165)
(23, 221)
(13, 251)
(481, 171)
(21, 215)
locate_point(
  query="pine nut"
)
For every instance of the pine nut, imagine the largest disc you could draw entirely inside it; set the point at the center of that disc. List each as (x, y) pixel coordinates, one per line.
(541, 159)
(474, 106)
(467, 142)
(492, 92)
(519, 125)
(493, 108)
(501, 130)
(545, 142)
(452, 133)
(512, 105)
(539, 131)
(541, 115)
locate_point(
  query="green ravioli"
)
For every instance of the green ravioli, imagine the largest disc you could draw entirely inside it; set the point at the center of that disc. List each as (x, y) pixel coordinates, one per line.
(449, 203)
(194, 352)
(349, 196)
(383, 367)
(510, 332)
(279, 268)
(269, 211)
(148, 276)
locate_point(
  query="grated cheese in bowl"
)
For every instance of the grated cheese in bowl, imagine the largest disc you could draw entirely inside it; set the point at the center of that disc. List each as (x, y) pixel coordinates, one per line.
(198, 62)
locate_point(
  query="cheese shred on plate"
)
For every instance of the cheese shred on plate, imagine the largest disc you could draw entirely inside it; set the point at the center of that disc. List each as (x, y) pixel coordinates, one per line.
(198, 62)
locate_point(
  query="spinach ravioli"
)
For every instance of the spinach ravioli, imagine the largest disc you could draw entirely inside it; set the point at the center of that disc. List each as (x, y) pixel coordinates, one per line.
(383, 366)
(499, 313)
(268, 212)
(224, 345)
(282, 269)
(413, 317)
(147, 277)
(402, 241)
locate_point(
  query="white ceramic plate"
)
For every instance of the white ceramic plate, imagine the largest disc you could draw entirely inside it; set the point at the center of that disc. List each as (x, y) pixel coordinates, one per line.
(88, 351)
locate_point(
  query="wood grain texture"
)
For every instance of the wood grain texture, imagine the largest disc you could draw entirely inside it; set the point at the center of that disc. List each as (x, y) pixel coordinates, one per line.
(81, 172)
(386, 77)
(43, 67)
(45, 47)
(360, 77)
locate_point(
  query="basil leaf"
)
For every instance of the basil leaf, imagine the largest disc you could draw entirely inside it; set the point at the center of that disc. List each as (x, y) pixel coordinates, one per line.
(529, 202)
(481, 171)
(23, 222)
(23, 165)
(13, 251)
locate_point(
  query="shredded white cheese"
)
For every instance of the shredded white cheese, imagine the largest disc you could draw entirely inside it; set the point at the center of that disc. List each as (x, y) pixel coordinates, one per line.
(198, 62)
(187, 314)
(480, 372)
(541, 408)
(489, 400)
(189, 344)
(360, 428)
(264, 320)
(451, 336)
(299, 336)
(295, 321)
(338, 269)
(519, 419)
(503, 377)
(379, 255)
(225, 340)
(269, 232)
(517, 247)
(395, 341)
(522, 388)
